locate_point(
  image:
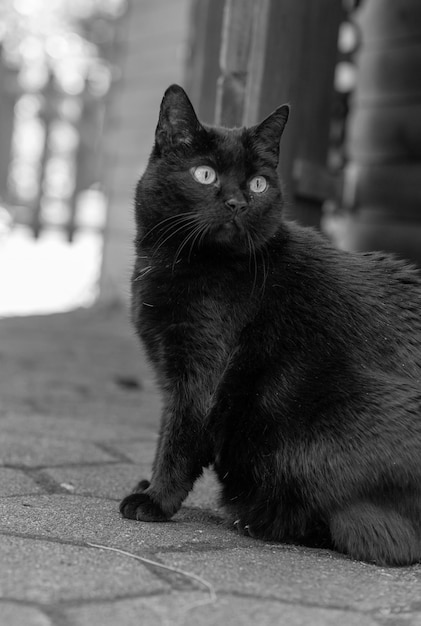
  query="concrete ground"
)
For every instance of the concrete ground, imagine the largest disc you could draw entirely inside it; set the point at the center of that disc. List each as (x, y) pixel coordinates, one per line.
(78, 421)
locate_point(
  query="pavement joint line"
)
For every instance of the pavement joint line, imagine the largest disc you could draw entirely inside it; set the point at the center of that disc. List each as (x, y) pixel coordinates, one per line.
(42, 538)
(221, 593)
(147, 563)
(167, 568)
(19, 466)
(27, 494)
(247, 595)
(109, 449)
(85, 544)
(187, 548)
(230, 592)
(77, 602)
(52, 612)
(46, 482)
(65, 492)
(152, 565)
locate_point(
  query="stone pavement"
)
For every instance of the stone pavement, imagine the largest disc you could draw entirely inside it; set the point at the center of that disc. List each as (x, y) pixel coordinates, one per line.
(78, 421)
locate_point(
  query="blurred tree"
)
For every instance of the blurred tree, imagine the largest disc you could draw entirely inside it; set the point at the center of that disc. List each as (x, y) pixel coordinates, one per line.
(61, 54)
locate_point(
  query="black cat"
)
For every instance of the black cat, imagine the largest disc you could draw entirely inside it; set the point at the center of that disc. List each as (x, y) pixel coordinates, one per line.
(292, 367)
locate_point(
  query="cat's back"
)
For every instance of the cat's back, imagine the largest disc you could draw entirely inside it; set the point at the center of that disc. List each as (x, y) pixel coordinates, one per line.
(371, 300)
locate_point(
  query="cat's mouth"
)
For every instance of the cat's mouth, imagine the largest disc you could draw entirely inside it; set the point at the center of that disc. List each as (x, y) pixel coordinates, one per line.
(234, 226)
(229, 230)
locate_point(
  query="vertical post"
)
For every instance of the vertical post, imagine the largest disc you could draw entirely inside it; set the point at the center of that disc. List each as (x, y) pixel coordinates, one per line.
(293, 59)
(234, 59)
(202, 67)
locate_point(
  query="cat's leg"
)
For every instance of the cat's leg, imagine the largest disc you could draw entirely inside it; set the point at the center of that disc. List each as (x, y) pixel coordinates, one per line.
(369, 532)
(180, 457)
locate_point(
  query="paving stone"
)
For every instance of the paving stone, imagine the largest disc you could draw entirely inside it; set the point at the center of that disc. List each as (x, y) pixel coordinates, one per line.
(12, 614)
(14, 482)
(233, 564)
(398, 616)
(235, 611)
(301, 575)
(47, 572)
(191, 609)
(52, 414)
(101, 481)
(137, 451)
(92, 427)
(80, 518)
(38, 450)
(124, 612)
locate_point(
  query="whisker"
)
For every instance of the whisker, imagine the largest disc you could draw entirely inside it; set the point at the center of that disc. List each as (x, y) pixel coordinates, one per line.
(265, 268)
(252, 249)
(190, 236)
(205, 231)
(199, 237)
(168, 227)
(143, 272)
(167, 219)
(172, 234)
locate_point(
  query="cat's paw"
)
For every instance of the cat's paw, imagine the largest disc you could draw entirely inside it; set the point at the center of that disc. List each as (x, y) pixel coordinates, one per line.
(244, 529)
(141, 507)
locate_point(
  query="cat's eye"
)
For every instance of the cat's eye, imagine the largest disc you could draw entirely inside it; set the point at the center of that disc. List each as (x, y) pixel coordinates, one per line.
(203, 174)
(258, 184)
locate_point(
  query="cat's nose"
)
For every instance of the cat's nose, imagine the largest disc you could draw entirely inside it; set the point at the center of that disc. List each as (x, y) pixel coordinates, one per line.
(236, 205)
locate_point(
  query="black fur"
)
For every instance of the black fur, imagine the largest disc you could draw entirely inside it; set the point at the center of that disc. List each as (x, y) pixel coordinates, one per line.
(292, 367)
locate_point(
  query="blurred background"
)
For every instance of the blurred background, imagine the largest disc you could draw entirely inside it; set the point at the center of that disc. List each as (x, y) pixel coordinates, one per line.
(80, 87)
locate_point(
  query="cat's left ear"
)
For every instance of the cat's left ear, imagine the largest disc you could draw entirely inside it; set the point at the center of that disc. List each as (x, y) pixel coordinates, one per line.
(269, 132)
(178, 123)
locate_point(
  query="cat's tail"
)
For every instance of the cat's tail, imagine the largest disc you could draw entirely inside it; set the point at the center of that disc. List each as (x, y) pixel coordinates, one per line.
(369, 532)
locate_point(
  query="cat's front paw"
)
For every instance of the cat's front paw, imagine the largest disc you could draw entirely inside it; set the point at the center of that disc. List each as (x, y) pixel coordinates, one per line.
(141, 507)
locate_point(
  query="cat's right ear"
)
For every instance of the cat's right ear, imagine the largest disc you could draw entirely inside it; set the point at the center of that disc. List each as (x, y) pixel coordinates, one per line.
(178, 124)
(269, 132)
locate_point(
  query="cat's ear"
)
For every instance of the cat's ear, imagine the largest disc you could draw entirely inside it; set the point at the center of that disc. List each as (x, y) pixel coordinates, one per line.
(269, 132)
(178, 123)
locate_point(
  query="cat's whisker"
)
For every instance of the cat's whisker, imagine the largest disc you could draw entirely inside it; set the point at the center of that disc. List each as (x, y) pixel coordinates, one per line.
(172, 234)
(198, 238)
(167, 219)
(190, 237)
(182, 245)
(168, 230)
(252, 249)
(265, 268)
(169, 227)
(205, 231)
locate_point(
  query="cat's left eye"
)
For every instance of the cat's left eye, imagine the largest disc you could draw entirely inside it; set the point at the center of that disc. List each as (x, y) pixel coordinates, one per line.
(258, 184)
(204, 174)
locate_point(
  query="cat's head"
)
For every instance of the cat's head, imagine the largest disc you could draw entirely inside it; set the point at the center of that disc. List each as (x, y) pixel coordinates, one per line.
(210, 186)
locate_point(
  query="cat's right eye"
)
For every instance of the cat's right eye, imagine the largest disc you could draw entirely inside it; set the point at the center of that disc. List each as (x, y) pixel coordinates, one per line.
(258, 184)
(203, 174)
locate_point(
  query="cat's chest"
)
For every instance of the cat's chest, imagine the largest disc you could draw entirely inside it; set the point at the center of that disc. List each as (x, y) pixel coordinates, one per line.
(189, 308)
(179, 293)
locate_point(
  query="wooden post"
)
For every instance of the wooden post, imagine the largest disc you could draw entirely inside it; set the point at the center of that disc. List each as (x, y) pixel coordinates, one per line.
(234, 60)
(277, 51)
(294, 61)
(202, 67)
